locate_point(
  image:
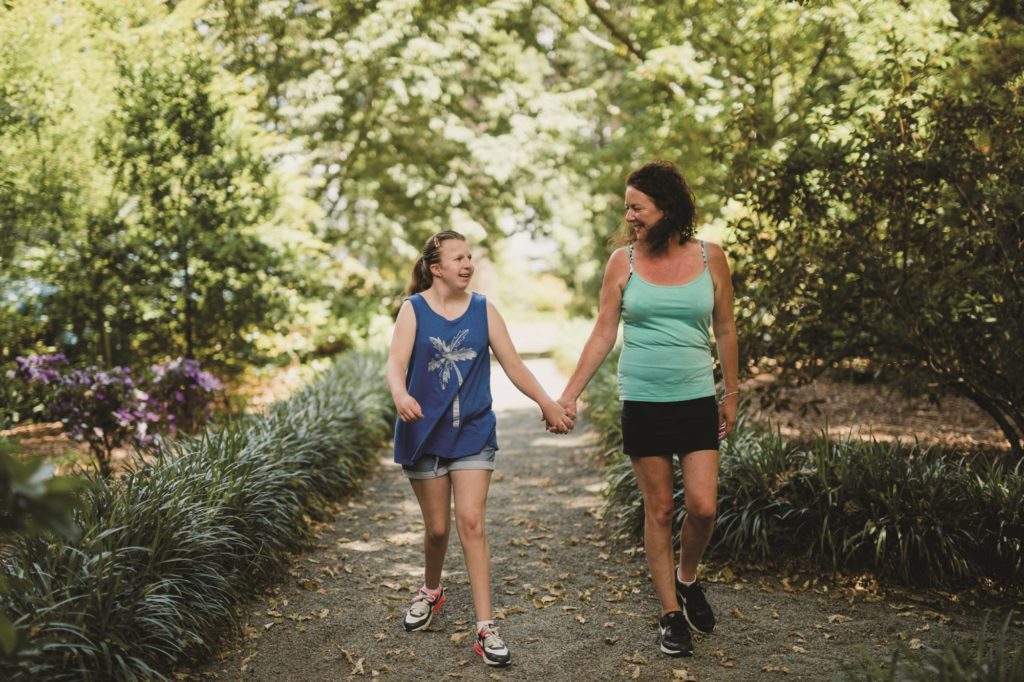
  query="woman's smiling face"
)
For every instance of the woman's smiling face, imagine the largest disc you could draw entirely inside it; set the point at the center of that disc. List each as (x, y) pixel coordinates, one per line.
(641, 212)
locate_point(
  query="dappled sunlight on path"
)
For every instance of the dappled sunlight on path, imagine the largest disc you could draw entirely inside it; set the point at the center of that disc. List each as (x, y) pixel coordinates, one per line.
(573, 604)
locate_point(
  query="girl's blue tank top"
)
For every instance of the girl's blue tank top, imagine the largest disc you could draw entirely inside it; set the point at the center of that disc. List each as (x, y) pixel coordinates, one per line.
(449, 375)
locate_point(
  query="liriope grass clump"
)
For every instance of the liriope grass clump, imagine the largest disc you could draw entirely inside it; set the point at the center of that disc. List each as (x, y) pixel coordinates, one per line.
(168, 551)
(998, 658)
(915, 515)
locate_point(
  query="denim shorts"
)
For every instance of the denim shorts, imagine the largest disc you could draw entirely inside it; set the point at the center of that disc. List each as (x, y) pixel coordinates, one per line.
(432, 466)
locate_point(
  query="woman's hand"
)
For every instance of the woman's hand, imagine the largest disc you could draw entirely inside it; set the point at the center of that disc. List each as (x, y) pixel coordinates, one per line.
(570, 406)
(408, 409)
(727, 415)
(558, 421)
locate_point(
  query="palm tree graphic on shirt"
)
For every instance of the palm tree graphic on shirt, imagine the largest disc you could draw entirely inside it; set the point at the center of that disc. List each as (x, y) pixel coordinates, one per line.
(445, 360)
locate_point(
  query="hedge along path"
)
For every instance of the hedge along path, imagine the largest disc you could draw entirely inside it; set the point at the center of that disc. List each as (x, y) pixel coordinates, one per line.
(572, 604)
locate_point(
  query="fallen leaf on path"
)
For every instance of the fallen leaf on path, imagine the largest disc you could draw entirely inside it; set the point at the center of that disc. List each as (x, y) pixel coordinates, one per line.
(916, 643)
(776, 669)
(799, 649)
(357, 669)
(393, 586)
(580, 619)
(636, 673)
(736, 613)
(380, 636)
(460, 637)
(322, 613)
(839, 618)
(247, 660)
(684, 675)
(610, 640)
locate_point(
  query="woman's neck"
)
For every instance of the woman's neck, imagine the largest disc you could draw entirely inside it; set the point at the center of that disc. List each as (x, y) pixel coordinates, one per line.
(671, 248)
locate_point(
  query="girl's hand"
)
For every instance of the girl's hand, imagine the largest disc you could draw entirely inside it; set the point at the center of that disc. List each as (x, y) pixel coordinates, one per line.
(727, 415)
(558, 421)
(408, 409)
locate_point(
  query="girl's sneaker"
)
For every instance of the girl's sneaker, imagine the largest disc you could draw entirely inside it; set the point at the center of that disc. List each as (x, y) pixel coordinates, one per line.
(424, 607)
(490, 646)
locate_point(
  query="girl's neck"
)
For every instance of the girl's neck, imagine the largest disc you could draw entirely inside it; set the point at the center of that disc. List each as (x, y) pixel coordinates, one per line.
(444, 295)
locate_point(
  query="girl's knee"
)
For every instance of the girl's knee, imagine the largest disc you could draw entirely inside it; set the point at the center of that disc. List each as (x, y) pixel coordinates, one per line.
(471, 526)
(437, 534)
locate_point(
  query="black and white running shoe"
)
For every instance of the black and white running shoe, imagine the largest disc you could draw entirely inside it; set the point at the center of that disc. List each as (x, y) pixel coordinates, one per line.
(674, 638)
(424, 607)
(491, 647)
(696, 608)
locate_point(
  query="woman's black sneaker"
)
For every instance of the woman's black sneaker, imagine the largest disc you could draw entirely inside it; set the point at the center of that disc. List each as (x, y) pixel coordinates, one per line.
(675, 639)
(696, 608)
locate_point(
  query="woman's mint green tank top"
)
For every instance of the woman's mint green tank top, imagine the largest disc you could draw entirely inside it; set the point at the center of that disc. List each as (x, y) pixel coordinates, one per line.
(666, 352)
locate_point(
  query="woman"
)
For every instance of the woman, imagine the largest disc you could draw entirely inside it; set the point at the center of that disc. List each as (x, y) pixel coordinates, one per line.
(669, 289)
(438, 371)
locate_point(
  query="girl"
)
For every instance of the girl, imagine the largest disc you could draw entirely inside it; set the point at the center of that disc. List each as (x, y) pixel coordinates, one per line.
(439, 374)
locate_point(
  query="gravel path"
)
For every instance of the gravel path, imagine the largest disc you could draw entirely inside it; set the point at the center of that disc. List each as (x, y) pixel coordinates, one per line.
(572, 604)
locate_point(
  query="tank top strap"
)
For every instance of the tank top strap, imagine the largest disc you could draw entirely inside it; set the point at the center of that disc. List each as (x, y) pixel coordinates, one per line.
(629, 250)
(703, 252)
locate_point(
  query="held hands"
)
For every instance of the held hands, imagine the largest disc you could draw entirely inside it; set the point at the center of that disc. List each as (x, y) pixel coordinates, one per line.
(570, 406)
(408, 409)
(555, 417)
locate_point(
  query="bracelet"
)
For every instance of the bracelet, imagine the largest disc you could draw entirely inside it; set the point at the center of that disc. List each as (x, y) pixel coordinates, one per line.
(722, 399)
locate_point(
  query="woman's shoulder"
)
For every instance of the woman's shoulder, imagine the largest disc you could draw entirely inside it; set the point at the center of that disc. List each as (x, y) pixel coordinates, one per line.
(620, 257)
(716, 254)
(710, 246)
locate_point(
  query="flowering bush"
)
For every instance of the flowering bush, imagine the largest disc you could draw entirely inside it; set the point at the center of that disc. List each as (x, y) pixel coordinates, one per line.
(106, 408)
(182, 392)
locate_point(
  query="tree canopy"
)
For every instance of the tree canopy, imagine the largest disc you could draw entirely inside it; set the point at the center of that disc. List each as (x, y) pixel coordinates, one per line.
(240, 180)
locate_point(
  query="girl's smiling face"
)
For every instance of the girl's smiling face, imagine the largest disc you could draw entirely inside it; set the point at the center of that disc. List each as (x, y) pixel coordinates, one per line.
(641, 212)
(455, 267)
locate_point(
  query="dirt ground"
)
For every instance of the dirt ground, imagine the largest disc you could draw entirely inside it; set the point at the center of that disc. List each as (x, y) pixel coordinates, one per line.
(879, 412)
(571, 604)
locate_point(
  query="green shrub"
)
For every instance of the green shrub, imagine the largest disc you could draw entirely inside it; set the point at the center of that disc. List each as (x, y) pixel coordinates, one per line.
(988, 661)
(168, 551)
(912, 514)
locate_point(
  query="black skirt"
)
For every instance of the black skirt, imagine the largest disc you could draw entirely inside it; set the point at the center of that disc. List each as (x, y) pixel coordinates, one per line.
(679, 427)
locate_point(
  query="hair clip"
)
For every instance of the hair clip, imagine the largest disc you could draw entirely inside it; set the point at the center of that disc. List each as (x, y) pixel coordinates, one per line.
(437, 244)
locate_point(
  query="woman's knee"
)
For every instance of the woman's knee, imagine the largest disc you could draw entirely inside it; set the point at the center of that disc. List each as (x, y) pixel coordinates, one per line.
(659, 511)
(701, 511)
